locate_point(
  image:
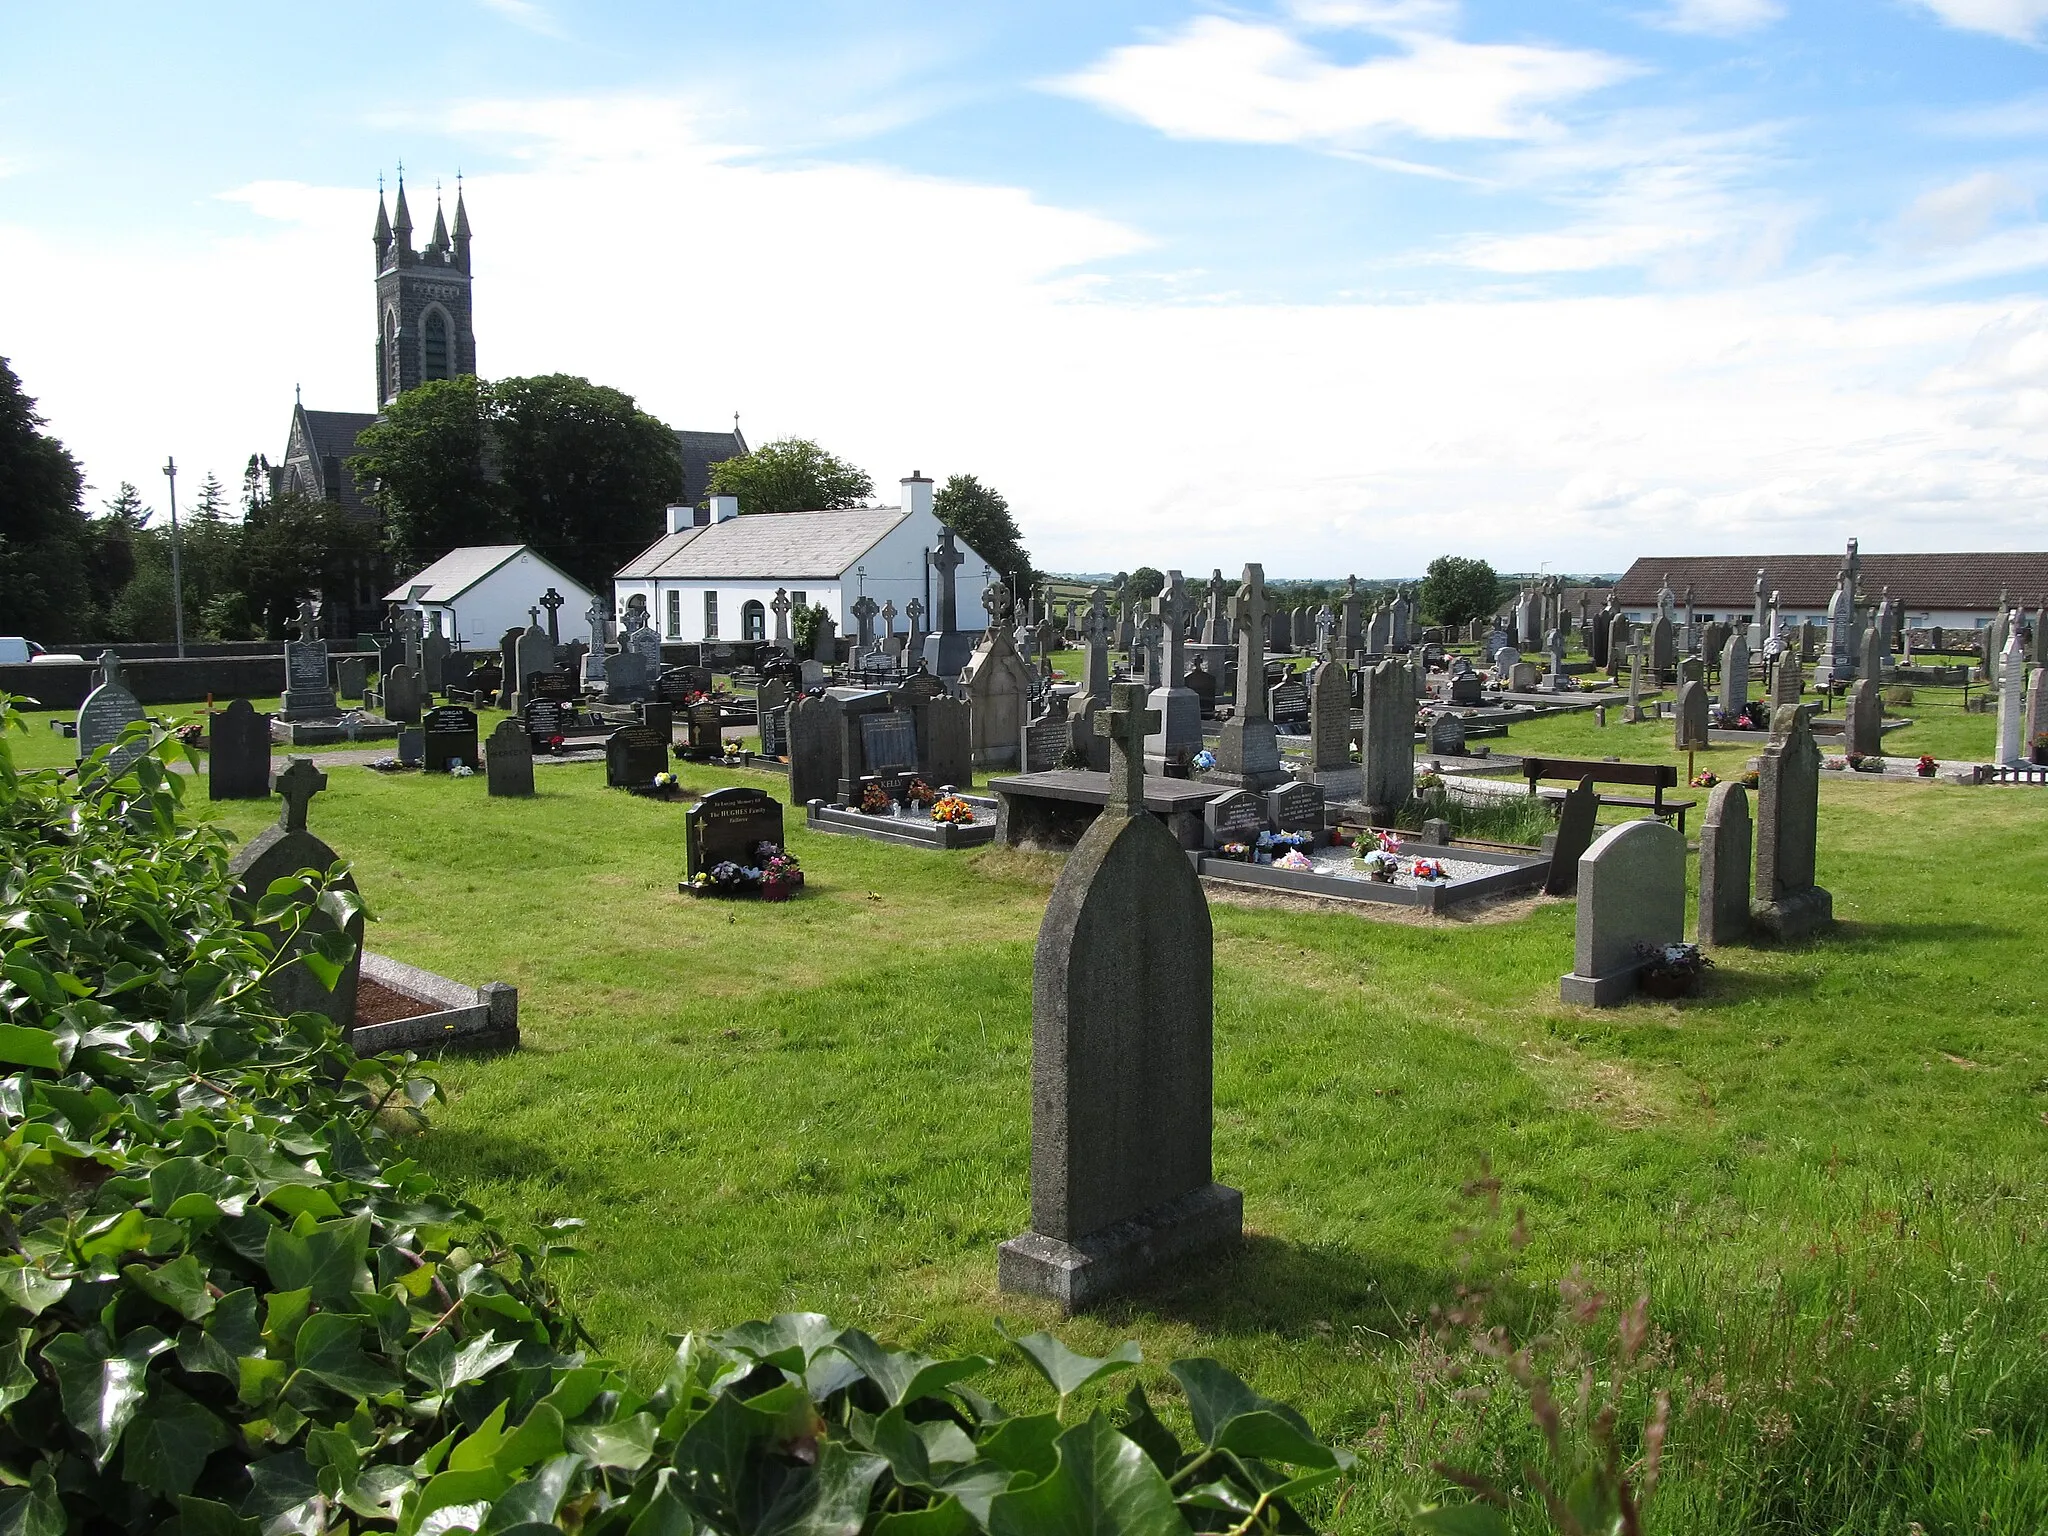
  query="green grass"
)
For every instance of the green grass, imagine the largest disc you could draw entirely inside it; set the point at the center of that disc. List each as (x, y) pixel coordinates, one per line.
(1826, 1172)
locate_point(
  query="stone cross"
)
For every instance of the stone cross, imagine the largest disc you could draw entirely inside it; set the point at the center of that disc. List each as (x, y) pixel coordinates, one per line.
(299, 783)
(308, 621)
(533, 617)
(914, 612)
(779, 606)
(110, 670)
(864, 611)
(946, 559)
(1172, 605)
(888, 618)
(550, 600)
(1126, 722)
(1251, 658)
(995, 602)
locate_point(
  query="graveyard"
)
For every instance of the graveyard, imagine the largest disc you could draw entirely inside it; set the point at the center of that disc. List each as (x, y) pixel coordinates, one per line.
(1815, 1169)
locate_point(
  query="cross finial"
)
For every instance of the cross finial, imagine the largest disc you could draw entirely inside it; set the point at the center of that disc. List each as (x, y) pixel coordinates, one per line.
(533, 616)
(1126, 722)
(299, 783)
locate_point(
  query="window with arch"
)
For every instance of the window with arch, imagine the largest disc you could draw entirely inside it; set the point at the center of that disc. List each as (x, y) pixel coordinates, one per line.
(753, 620)
(434, 346)
(390, 352)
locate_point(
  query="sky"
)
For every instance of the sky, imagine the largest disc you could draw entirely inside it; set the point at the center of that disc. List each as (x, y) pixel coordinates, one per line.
(1334, 285)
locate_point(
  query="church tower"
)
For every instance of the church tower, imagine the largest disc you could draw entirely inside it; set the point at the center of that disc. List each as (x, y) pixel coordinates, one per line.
(423, 305)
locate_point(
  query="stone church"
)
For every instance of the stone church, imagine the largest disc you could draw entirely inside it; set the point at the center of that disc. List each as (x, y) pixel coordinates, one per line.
(425, 331)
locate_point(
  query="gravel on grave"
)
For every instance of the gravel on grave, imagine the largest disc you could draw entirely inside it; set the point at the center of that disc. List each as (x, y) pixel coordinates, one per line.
(1341, 863)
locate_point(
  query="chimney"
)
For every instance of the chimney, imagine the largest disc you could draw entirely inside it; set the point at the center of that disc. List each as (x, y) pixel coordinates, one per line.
(680, 516)
(724, 508)
(917, 493)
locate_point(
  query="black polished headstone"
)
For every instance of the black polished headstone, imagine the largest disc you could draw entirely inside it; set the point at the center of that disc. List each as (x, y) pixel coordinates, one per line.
(730, 824)
(450, 738)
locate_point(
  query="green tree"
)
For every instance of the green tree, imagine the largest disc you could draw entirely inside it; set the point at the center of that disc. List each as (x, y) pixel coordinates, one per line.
(1143, 584)
(979, 514)
(792, 474)
(110, 539)
(43, 532)
(210, 547)
(292, 545)
(584, 471)
(1456, 590)
(426, 463)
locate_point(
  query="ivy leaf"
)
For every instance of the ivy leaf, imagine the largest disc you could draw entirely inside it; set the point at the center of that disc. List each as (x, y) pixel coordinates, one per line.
(534, 1501)
(1230, 1416)
(836, 1501)
(24, 1285)
(1142, 1425)
(24, 1045)
(231, 1332)
(179, 1285)
(1103, 1484)
(35, 1510)
(449, 1490)
(327, 1350)
(166, 1446)
(203, 1517)
(326, 1259)
(1025, 1444)
(16, 1379)
(536, 1440)
(102, 1389)
(444, 1365)
(626, 1445)
(1462, 1520)
(786, 1341)
(1067, 1372)
(903, 1376)
(946, 1518)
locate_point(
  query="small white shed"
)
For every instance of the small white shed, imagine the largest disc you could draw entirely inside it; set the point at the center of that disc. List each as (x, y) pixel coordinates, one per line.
(482, 590)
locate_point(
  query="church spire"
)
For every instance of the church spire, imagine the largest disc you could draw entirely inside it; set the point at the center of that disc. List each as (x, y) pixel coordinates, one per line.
(461, 227)
(401, 226)
(381, 236)
(439, 244)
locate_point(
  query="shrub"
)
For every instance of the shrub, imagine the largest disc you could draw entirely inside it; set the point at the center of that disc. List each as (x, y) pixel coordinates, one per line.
(1523, 819)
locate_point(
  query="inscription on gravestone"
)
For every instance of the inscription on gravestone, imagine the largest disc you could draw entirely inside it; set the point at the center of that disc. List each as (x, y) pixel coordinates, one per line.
(450, 732)
(730, 824)
(633, 755)
(1238, 817)
(889, 742)
(508, 760)
(1295, 808)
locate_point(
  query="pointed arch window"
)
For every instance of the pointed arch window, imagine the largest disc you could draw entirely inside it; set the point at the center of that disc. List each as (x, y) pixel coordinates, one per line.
(391, 371)
(434, 346)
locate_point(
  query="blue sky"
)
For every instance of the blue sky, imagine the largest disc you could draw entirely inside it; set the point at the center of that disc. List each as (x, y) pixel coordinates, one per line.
(1333, 284)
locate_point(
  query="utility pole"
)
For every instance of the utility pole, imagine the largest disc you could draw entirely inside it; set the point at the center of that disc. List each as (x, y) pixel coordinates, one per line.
(177, 571)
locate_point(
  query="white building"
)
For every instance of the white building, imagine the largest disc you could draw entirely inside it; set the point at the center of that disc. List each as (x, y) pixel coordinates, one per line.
(716, 580)
(482, 590)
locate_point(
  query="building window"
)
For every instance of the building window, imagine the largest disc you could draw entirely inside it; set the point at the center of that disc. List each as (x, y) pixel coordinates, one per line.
(391, 370)
(675, 614)
(800, 599)
(711, 615)
(434, 346)
(753, 620)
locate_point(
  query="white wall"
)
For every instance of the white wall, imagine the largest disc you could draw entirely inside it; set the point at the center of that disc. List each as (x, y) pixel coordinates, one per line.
(499, 602)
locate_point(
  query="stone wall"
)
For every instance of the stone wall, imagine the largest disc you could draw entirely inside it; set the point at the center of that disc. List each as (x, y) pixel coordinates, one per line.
(158, 680)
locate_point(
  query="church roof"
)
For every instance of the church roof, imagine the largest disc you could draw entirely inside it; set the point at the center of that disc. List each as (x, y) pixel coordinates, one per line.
(701, 450)
(1728, 582)
(332, 435)
(460, 570)
(765, 546)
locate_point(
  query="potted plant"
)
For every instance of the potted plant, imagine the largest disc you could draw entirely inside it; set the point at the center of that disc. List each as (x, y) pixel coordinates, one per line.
(1926, 766)
(921, 793)
(875, 801)
(781, 876)
(1671, 970)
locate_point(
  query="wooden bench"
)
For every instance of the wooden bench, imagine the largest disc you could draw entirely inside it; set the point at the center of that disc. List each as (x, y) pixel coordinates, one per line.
(1656, 777)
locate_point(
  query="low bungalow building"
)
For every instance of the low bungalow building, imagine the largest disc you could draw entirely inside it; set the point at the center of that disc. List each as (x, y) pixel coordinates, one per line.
(1955, 591)
(717, 579)
(482, 590)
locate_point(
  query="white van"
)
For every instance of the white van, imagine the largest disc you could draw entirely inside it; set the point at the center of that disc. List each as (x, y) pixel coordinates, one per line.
(15, 649)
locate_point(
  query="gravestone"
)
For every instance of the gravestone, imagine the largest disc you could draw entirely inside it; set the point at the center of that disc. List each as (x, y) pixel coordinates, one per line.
(660, 716)
(945, 742)
(633, 755)
(888, 747)
(1287, 701)
(1663, 647)
(1236, 817)
(1631, 896)
(1523, 677)
(1248, 753)
(1690, 733)
(1734, 676)
(771, 713)
(508, 759)
(813, 748)
(508, 665)
(1048, 736)
(307, 693)
(1295, 808)
(533, 652)
(1201, 682)
(2037, 710)
(105, 716)
(626, 678)
(1446, 734)
(1387, 755)
(997, 683)
(351, 677)
(279, 853)
(730, 825)
(1863, 718)
(434, 657)
(1620, 636)
(412, 741)
(450, 733)
(544, 720)
(2013, 747)
(1329, 734)
(1577, 815)
(703, 728)
(1122, 1052)
(1788, 681)
(1179, 708)
(1786, 903)
(238, 754)
(1466, 689)
(1725, 840)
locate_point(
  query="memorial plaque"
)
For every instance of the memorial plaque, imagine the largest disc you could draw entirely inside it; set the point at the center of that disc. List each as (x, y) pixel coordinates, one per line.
(1295, 808)
(557, 683)
(1288, 701)
(678, 685)
(450, 733)
(730, 824)
(633, 755)
(704, 729)
(1238, 817)
(1046, 740)
(544, 719)
(889, 742)
(104, 718)
(306, 689)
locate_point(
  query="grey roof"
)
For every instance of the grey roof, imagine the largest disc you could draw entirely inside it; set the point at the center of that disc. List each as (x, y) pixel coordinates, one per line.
(460, 569)
(332, 435)
(764, 545)
(701, 450)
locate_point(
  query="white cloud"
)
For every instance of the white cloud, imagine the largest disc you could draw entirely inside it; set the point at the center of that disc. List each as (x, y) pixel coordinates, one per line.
(525, 13)
(1963, 211)
(1719, 18)
(2020, 20)
(1260, 83)
(912, 321)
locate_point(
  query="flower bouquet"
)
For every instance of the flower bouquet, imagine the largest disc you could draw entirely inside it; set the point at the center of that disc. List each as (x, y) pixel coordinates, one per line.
(193, 735)
(1203, 761)
(1671, 970)
(1379, 854)
(2041, 747)
(781, 876)
(951, 809)
(558, 744)
(875, 801)
(1427, 781)
(1429, 869)
(1706, 778)
(458, 769)
(1839, 764)
(1750, 778)
(1926, 766)
(921, 793)
(1294, 859)
(1240, 853)
(732, 751)
(1874, 763)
